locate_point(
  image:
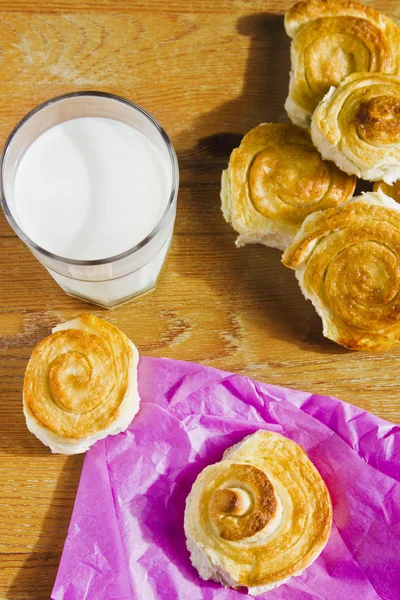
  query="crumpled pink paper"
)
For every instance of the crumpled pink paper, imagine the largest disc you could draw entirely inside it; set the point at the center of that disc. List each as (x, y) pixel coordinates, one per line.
(126, 539)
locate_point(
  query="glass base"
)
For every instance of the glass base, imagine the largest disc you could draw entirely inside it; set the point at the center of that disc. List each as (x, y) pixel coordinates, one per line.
(115, 304)
(111, 293)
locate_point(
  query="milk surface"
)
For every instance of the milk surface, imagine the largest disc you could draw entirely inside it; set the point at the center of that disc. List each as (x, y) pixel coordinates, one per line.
(90, 188)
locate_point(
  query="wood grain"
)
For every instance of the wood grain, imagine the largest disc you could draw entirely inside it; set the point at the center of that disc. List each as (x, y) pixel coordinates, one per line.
(209, 71)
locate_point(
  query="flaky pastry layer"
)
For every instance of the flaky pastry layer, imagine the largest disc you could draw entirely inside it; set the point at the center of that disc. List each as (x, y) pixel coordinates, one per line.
(274, 180)
(259, 516)
(391, 190)
(330, 40)
(81, 385)
(347, 261)
(357, 125)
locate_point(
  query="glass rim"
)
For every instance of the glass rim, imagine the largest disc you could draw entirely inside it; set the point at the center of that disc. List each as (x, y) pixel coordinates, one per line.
(117, 257)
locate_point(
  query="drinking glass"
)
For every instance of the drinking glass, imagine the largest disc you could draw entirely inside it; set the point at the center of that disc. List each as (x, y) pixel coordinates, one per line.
(109, 281)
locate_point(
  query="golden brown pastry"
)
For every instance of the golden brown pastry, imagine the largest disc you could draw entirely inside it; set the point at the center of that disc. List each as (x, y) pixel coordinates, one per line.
(393, 191)
(347, 261)
(274, 180)
(81, 385)
(259, 516)
(357, 125)
(331, 40)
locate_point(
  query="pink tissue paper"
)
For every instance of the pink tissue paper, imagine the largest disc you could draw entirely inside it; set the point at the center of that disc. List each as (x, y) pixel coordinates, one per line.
(126, 539)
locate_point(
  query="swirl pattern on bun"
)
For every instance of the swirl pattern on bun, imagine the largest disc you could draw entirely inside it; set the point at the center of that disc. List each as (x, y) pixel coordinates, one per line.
(81, 385)
(274, 180)
(332, 39)
(259, 516)
(357, 125)
(347, 261)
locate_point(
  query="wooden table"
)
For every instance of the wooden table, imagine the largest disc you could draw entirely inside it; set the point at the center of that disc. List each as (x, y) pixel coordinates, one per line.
(208, 70)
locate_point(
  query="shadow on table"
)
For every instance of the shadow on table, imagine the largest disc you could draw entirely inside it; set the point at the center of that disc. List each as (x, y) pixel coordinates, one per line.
(277, 302)
(35, 579)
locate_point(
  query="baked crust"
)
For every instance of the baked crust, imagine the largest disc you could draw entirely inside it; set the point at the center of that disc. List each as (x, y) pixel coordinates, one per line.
(288, 505)
(357, 125)
(77, 379)
(393, 191)
(331, 40)
(347, 261)
(276, 177)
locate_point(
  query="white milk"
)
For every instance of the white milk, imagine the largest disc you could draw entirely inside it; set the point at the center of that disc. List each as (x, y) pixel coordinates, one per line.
(92, 188)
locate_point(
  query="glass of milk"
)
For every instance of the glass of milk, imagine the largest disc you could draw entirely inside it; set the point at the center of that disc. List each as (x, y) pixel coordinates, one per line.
(89, 182)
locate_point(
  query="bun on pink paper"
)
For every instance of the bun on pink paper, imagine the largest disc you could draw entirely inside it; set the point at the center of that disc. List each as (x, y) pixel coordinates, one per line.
(259, 516)
(126, 538)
